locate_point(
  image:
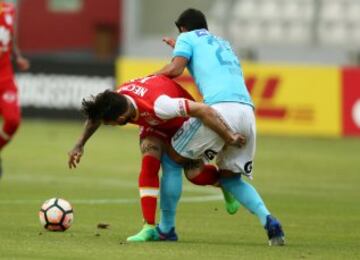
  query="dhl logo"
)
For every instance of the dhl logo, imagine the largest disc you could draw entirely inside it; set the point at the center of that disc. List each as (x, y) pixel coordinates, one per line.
(264, 92)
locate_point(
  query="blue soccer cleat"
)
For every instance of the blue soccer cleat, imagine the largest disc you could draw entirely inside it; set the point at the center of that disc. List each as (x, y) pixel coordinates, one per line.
(274, 231)
(170, 236)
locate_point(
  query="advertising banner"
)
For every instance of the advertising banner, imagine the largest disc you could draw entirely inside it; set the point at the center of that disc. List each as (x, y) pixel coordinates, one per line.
(301, 100)
(55, 89)
(351, 101)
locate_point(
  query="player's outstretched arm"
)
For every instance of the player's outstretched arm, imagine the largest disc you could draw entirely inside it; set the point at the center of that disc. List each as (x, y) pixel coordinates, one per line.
(214, 121)
(78, 150)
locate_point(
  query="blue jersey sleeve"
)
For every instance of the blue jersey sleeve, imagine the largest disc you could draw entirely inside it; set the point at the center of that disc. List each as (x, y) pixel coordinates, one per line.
(183, 47)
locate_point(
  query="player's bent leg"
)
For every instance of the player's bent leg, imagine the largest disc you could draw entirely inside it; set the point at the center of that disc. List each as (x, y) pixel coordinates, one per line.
(247, 195)
(231, 204)
(200, 174)
(170, 192)
(274, 231)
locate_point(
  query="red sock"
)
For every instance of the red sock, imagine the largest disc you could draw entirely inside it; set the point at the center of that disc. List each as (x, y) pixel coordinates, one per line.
(10, 113)
(149, 187)
(3, 142)
(208, 176)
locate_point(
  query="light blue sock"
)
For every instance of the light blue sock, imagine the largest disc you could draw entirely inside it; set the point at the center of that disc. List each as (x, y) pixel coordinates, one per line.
(170, 192)
(247, 195)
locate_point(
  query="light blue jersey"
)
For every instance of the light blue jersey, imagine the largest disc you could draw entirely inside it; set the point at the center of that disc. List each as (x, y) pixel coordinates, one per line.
(214, 67)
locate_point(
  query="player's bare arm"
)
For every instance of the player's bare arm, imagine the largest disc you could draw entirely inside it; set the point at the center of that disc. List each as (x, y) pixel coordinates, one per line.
(167, 108)
(78, 150)
(214, 121)
(22, 63)
(169, 41)
(175, 68)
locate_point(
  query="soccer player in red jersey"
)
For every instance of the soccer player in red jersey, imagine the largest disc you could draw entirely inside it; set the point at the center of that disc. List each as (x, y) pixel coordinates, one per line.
(9, 103)
(160, 106)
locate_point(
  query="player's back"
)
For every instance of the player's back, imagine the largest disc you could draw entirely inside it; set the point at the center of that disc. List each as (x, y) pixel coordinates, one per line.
(145, 91)
(214, 66)
(151, 87)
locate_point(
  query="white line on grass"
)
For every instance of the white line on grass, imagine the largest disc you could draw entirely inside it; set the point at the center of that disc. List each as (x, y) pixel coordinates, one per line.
(194, 199)
(106, 182)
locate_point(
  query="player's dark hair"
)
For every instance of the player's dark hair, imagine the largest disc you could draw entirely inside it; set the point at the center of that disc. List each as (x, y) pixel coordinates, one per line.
(191, 19)
(107, 106)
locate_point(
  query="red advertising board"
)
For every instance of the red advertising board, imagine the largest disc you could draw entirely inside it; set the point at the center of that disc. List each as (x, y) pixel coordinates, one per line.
(351, 101)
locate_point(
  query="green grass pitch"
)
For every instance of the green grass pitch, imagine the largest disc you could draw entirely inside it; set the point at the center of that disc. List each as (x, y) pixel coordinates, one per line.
(310, 184)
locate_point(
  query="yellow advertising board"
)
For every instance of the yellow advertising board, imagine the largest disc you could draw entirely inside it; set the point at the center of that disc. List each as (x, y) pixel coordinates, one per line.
(289, 100)
(301, 100)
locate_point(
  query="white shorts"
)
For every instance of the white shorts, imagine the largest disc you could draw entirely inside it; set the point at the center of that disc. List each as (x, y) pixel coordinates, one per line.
(195, 141)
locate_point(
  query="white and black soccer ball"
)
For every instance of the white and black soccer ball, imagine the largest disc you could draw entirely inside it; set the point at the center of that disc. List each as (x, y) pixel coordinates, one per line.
(56, 214)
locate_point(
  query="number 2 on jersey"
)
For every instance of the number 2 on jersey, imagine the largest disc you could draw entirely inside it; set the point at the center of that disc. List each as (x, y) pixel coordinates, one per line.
(220, 51)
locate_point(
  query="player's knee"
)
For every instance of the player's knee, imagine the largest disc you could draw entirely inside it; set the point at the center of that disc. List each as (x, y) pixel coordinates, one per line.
(152, 147)
(194, 180)
(192, 174)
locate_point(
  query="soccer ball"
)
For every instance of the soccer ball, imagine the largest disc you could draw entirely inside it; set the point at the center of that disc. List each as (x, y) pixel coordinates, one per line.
(56, 214)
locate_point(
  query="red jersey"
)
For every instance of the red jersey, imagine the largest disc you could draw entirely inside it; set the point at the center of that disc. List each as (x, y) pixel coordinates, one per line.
(144, 94)
(7, 19)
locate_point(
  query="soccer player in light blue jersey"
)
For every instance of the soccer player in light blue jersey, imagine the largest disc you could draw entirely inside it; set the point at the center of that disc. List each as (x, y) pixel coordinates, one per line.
(218, 75)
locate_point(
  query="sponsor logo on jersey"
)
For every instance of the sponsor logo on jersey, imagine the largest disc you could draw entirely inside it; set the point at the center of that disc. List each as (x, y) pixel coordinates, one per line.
(9, 19)
(9, 97)
(5, 38)
(151, 120)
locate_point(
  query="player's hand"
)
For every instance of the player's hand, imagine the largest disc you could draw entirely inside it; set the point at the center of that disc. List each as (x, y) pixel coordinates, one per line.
(169, 41)
(237, 140)
(22, 63)
(75, 156)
